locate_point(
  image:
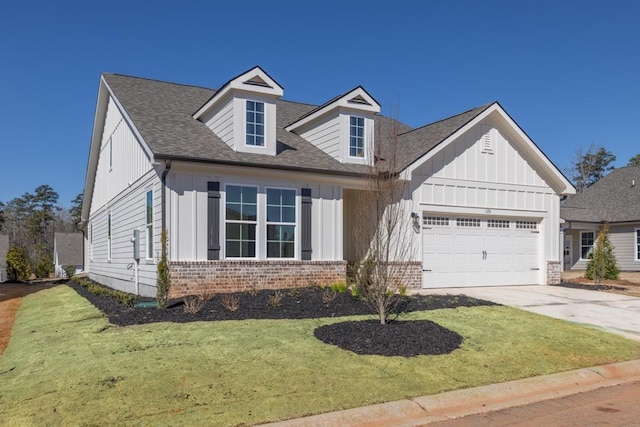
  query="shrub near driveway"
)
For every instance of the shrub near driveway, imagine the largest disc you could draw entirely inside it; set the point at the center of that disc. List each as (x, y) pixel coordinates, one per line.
(66, 365)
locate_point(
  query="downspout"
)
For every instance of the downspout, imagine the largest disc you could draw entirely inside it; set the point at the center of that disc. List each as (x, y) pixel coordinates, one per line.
(165, 172)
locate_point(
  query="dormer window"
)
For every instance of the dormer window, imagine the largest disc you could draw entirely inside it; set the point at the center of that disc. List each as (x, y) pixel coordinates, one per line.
(356, 137)
(255, 124)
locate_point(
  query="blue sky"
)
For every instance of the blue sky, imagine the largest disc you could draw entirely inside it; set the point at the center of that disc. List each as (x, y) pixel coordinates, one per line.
(568, 72)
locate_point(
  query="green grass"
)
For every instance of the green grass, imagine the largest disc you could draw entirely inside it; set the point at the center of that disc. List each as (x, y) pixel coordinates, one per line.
(66, 365)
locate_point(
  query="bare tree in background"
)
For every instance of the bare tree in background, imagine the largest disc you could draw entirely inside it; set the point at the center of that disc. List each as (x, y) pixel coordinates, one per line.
(383, 227)
(590, 165)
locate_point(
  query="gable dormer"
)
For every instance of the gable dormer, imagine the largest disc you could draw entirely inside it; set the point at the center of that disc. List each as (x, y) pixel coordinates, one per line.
(342, 127)
(243, 112)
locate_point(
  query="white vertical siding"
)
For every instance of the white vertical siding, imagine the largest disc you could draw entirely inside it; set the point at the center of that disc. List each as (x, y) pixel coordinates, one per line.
(187, 213)
(129, 164)
(325, 135)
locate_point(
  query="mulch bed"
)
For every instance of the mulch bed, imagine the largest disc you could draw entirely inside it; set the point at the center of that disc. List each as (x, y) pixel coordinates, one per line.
(590, 287)
(397, 338)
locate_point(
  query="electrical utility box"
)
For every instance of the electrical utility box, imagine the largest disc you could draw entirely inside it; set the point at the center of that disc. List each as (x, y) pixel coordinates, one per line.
(135, 239)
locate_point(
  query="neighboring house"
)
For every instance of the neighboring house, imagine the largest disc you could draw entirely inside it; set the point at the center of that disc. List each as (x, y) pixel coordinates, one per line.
(4, 248)
(67, 250)
(614, 199)
(256, 191)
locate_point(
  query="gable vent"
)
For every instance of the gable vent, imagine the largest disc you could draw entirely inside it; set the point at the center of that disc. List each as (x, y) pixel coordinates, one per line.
(358, 100)
(487, 139)
(256, 81)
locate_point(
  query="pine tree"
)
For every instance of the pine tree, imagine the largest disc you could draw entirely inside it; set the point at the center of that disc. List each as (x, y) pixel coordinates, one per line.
(602, 264)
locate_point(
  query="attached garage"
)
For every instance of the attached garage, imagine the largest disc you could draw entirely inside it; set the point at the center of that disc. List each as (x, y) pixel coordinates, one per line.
(462, 251)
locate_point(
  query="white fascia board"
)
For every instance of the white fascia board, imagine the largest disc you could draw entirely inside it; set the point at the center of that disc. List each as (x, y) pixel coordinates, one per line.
(563, 186)
(271, 88)
(370, 106)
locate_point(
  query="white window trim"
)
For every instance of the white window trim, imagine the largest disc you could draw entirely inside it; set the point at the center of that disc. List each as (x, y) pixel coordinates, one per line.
(364, 137)
(635, 243)
(296, 227)
(223, 232)
(109, 234)
(581, 245)
(148, 235)
(264, 125)
(110, 154)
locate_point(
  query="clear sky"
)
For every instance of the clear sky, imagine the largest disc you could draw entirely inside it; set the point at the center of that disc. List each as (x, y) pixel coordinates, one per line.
(567, 71)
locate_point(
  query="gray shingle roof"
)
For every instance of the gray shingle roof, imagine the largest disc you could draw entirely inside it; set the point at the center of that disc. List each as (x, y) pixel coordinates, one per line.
(162, 113)
(613, 198)
(69, 248)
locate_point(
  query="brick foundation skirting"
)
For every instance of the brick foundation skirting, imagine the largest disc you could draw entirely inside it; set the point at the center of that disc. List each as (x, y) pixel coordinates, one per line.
(191, 278)
(554, 273)
(412, 275)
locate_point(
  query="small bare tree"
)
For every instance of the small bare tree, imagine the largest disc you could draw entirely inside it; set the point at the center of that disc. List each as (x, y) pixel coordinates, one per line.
(382, 231)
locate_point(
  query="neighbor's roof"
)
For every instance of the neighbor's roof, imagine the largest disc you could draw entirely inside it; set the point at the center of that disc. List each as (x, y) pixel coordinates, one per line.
(162, 113)
(614, 198)
(4, 248)
(69, 248)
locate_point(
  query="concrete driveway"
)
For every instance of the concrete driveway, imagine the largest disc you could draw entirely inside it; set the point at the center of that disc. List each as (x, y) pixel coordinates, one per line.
(619, 314)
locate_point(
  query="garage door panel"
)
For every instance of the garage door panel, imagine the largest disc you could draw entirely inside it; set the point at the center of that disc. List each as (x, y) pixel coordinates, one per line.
(461, 253)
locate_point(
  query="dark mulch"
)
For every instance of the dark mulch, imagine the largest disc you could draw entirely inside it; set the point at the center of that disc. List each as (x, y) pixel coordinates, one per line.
(591, 287)
(397, 338)
(410, 338)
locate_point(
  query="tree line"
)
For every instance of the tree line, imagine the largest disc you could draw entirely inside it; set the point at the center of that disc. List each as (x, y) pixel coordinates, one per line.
(590, 165)
(31, 220)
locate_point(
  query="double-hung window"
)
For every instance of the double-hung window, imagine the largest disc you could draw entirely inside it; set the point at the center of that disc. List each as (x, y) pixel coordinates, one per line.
(255, 123)
(281, 223)
(356, 136)
(91, 241)
(109, 235)
(149, 222)
(637, 244)
(241, 221)
(587, 239)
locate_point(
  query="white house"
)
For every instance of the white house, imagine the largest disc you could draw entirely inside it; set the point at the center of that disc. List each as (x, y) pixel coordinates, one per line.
(254, 190)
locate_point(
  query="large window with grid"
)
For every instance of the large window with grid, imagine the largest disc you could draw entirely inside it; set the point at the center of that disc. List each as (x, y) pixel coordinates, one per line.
(281, 223)
(240, 221)
(587, 239)
(356, 137)
(255, 123)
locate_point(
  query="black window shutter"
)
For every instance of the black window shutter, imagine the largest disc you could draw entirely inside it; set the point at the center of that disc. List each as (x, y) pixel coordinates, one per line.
(213, 220)
(305, 224)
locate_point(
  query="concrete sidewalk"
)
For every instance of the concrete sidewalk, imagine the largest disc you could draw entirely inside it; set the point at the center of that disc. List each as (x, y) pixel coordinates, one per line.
(455, 404)
(619, 314)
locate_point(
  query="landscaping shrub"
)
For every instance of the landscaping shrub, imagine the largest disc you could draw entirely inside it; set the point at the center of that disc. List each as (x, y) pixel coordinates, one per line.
(276, 299)
(231, 302)
(328, 295)
(339, 287)
(43, 268)
(193, 304)
(602, 264)
(17, 264)
(69, 270)
(163, 283)
(96, 289)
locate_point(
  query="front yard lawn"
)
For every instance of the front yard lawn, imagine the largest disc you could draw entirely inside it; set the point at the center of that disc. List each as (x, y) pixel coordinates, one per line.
(66, 365)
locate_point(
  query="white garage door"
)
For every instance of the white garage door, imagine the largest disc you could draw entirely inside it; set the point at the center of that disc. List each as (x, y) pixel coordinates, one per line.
(463, 251)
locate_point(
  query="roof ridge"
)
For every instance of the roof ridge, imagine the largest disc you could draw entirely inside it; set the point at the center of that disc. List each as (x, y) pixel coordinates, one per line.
(484, 107)
(158, 80)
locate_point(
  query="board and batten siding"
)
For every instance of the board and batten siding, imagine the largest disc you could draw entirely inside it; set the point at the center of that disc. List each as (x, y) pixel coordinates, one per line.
(128, 164)
(128, 213)
(187, 213)
(325, 134)
(466, 178)
(220, 121)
